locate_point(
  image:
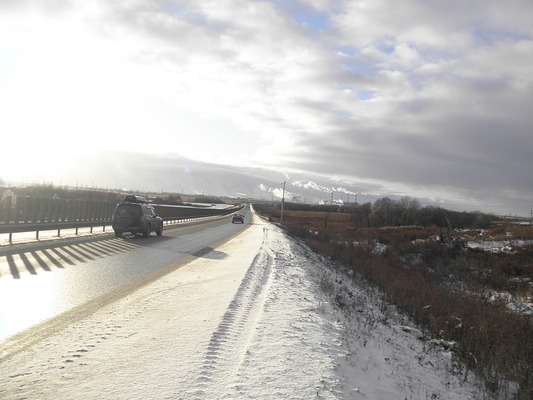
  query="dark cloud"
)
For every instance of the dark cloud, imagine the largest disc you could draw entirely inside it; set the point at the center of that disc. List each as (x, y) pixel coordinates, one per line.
(430, 100)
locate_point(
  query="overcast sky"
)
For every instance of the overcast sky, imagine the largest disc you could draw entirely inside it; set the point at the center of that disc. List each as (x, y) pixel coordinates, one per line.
(428, 99)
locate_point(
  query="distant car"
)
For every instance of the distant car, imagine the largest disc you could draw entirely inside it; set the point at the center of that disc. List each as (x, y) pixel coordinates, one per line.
(237, 218)
(135, 215)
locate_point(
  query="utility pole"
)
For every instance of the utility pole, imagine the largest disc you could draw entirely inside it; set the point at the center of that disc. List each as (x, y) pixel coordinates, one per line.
(282, 201)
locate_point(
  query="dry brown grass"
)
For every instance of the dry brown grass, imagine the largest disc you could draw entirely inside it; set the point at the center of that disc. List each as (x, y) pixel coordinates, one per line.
(429, 274)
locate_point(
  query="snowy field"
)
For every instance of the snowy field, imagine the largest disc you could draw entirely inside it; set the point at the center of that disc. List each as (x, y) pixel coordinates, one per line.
(260, 317)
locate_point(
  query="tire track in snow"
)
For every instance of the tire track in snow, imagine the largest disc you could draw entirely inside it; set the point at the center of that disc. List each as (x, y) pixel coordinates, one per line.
(229, 343)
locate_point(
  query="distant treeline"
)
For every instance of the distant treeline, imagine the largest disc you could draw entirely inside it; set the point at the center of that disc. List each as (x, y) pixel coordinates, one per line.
(101, 195)
(403, 212)
(48, 191)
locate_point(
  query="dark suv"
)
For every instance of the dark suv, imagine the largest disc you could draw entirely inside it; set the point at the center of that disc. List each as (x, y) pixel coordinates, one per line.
(135, 215)
(237, 218)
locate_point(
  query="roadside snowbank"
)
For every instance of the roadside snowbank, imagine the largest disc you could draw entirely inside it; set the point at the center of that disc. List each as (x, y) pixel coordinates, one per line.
(260, 317)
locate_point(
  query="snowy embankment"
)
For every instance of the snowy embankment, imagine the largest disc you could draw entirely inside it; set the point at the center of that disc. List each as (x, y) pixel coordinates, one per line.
(260, 317)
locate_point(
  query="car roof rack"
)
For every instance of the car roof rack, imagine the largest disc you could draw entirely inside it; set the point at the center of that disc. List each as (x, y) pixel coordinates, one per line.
(130, 198)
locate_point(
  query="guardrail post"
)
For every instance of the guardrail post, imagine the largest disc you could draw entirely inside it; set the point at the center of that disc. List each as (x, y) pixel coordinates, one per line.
(28, 209)
(63, 210)
(89, 213)
(42, 209)
(68, 210)
(83, 214)
(18, 205)
(54, 210)
(7, 214)
(75, 204)
(32, 212)
(50, 212)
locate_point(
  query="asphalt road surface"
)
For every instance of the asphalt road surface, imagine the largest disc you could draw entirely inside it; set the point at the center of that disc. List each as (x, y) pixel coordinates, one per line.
(60, 280)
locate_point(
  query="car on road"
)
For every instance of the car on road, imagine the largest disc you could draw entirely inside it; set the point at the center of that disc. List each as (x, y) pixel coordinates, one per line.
(136, 216)
(237, 218)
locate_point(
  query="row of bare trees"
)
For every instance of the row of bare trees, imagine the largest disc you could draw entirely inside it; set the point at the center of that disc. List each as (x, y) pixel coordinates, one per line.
(402, 212)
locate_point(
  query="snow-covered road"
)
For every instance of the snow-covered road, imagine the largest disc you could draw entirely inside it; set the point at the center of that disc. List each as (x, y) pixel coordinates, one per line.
(248, 320)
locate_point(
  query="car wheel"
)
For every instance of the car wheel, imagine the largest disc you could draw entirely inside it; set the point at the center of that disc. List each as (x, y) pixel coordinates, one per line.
(146, 231)
(118, 233)
(159, 232)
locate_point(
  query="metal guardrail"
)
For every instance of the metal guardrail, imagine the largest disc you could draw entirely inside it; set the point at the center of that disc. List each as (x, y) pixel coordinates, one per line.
(32, 214)
(25, 214)
(40, 227)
